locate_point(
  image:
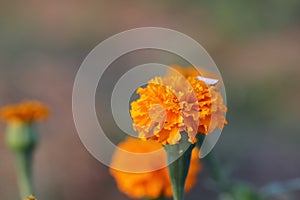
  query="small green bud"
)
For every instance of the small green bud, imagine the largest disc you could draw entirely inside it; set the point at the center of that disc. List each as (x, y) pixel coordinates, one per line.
(21, 137)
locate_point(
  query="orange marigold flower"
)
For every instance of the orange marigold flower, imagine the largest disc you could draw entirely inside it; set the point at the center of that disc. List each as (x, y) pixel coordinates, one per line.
(175, 103)
(31, 197)
(27, 111)
(151, 184)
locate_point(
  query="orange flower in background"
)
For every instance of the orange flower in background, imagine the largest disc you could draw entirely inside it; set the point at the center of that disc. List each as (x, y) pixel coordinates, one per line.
(151, 184)
(31, 197)
(27, 111)
(175, 103)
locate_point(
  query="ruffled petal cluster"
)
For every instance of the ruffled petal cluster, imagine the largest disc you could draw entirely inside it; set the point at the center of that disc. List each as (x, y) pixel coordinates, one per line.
(27, 111)
(175, 103)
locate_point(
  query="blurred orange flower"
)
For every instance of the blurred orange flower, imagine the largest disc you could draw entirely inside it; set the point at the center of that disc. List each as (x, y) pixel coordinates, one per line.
(153, 184)
(175, 103)
(27, 111)
(31, 197)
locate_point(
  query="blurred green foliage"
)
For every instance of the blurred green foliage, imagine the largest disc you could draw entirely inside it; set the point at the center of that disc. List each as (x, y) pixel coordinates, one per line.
(245, 17)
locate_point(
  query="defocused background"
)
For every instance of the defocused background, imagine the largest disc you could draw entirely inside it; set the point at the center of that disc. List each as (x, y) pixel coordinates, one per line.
(256, 45)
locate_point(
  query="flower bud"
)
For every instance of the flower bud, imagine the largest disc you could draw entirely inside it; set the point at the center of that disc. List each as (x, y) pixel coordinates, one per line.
(21, 137)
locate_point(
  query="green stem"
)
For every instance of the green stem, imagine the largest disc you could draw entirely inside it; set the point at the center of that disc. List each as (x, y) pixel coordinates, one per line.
(21, 138)
(24, 172)
(179, 157)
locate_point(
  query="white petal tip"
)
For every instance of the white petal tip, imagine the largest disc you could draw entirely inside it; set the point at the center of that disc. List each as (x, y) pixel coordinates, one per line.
(208, 81)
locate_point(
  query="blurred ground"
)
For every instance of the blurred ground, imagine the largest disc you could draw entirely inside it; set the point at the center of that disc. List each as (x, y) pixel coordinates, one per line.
(255, 44)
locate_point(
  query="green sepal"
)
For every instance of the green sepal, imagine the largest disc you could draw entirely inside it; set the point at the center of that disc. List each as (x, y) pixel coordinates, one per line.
(179, 158)
(21, 137)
